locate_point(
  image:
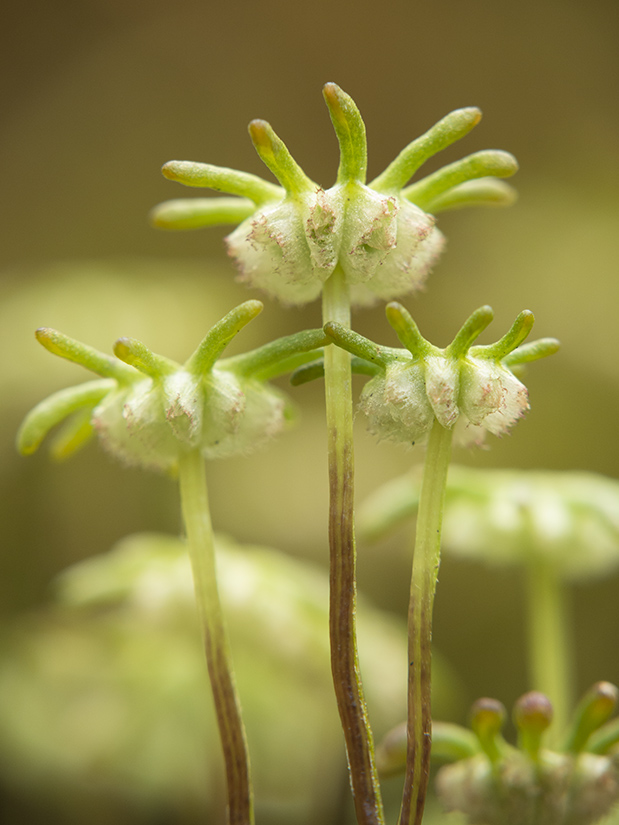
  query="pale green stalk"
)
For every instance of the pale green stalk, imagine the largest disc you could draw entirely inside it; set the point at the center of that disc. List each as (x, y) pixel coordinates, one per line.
(343, 592)
(426, 561)
(196, 516)
(549, 643)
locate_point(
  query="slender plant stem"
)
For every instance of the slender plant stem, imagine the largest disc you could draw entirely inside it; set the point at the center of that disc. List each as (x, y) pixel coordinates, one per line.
(426, 559)
(343, 591)
(196, 515)
(550, 661)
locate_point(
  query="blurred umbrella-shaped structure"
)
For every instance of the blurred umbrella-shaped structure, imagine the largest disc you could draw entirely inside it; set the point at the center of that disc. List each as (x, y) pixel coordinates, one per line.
(102, 702)
(558, 527)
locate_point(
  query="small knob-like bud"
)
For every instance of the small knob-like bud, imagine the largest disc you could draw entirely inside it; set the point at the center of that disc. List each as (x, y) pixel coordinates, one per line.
(532, 715)
(487, 720)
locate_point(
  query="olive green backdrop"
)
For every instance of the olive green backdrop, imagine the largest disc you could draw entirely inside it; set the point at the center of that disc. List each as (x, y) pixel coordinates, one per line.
(97, 94)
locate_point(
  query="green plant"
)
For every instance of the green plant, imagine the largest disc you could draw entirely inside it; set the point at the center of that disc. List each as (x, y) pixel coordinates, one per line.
(352, 244)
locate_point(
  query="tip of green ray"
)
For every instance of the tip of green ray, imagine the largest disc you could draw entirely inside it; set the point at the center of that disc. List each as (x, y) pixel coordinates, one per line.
(260, 132)
(335, 97)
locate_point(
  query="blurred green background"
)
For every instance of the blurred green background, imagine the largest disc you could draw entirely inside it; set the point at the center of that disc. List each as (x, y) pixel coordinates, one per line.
(97, 94)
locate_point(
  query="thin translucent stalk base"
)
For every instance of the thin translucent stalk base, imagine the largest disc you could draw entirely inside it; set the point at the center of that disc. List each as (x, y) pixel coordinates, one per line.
(196, 516)
(426, 559)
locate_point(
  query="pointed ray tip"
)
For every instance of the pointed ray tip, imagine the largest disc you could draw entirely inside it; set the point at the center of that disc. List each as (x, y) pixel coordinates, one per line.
(396, 312)
(253, 306)
(260, 132)
(484, 314)
(394, 307)
(474, 112)
(331, 90)
(123, 346)
(331, 328)
(248, 310)
(334, 97)
(508, 162)
(52, 340)
(127, 350)
(483, 317)
(525, 319)
(168, 170)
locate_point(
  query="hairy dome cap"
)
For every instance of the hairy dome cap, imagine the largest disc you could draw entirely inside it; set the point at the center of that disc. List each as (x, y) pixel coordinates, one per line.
(149, 410)
(290, 237)
(470, 388)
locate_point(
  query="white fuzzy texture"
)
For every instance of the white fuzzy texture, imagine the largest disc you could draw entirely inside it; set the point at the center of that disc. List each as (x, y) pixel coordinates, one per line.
(370, 232)
(152, 423)
(239, 417)
(418, 246)
(396, 404)
(491, 395)
(442, 385)
(272, 250)
(384, 244)
(475, 396)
